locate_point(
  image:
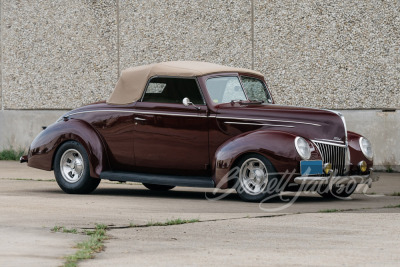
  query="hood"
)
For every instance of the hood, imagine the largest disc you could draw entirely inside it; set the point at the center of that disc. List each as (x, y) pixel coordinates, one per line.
(314, 124)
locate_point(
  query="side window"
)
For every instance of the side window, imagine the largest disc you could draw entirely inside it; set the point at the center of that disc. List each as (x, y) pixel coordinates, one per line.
(155, 88)
(172, 90)
(255, 89)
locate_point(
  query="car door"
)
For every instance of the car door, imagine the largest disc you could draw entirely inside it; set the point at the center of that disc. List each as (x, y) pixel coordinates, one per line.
(170, 137)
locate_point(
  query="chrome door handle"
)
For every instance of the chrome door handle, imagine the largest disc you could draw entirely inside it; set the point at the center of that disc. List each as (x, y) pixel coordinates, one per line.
(139, 119)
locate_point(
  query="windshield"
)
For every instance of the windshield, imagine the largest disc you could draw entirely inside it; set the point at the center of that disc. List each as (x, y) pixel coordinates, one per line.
(227, 89)
(255, 89)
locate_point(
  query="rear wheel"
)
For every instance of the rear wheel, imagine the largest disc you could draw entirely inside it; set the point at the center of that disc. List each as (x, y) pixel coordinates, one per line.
(71, 169)
(338, 191)
(157, 187)
(257, 179)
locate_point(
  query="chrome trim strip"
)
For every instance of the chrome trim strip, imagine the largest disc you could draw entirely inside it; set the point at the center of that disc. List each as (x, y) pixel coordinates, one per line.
(138, 112)
(170, 114)
(251, 119)
(263, 124)
(329, 140)
(139, 119)
(328, 143)
(103, 110)
(187, 115)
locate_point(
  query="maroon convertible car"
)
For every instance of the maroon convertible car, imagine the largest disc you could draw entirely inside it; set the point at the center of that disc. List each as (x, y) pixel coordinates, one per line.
(199, 124)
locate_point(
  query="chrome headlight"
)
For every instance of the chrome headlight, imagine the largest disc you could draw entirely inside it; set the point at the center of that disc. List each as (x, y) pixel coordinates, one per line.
(366, 148)
(302, 147)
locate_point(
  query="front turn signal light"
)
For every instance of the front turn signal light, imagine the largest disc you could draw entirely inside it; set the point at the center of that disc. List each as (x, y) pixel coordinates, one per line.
(362, 165)
(327, 168)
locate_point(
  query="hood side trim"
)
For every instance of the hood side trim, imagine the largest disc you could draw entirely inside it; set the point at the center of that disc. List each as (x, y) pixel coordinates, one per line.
(251, 119)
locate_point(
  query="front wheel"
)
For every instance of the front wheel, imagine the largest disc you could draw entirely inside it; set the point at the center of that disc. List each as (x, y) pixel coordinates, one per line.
(71, 169)
(257, 179)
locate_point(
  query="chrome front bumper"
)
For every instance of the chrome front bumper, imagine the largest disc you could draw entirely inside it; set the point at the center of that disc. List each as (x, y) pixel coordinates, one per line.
(338, 180)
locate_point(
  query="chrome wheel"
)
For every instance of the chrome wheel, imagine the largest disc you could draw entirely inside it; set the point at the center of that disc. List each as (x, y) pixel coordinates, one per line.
(72, 166)
(253, 176)
(72, 169)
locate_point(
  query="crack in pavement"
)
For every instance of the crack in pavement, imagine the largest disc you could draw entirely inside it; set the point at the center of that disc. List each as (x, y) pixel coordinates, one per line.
(114, 227)
(110, 227)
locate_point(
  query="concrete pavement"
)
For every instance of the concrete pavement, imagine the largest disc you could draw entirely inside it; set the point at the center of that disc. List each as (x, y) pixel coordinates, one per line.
(230, 231)
(292, 240)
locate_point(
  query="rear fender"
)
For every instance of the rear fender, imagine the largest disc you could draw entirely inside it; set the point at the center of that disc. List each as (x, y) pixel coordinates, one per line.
(43, 149)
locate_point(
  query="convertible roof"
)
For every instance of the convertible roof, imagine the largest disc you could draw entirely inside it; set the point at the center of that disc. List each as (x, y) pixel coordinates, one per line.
(132, 81)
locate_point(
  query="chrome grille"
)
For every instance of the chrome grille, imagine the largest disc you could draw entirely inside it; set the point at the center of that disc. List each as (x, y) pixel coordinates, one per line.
(334, 154)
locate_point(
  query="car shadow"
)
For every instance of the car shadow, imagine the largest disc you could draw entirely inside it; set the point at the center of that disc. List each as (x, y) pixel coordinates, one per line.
(200, 195)
(174, 194)
(222, 195)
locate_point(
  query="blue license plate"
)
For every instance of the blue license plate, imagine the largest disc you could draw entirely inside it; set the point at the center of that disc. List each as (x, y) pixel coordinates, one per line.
(310, 167)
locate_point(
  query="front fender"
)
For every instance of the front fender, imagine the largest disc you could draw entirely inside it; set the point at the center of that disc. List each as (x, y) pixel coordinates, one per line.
(356, 154)
(43, 148)
(277, 146)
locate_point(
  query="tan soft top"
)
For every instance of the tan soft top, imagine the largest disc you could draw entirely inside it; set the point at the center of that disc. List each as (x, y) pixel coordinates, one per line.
(132, 81)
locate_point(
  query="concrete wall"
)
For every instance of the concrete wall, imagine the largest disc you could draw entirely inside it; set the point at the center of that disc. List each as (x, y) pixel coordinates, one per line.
(383, 130)
(57, 54)
(344, 55)
(18, 128)
(333, 54)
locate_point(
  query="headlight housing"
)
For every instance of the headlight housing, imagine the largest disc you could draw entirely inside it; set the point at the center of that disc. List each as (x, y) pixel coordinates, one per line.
(302, 148)
(366, 148)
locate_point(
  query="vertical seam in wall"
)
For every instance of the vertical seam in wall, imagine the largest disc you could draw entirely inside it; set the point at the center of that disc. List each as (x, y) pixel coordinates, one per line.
(118, 59)
(1, 53)
(252, 34)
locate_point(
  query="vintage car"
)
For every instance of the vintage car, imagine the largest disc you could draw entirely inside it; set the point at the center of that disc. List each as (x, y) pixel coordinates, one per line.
(186, 123)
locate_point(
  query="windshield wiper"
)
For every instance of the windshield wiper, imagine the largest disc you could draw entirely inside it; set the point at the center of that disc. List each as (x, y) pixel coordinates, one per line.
(251, 102)
(236, 101)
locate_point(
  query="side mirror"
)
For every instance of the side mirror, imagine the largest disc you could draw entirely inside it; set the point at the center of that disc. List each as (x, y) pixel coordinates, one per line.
(186, 102)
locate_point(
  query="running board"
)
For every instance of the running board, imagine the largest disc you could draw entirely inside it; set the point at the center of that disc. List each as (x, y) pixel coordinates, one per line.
(159, 179)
